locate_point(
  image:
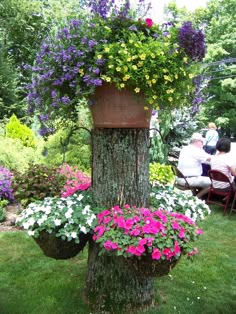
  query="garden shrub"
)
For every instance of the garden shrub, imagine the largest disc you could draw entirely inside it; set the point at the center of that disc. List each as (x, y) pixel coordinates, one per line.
(161, 174)
(14, 155)
(38, 182)
(15, 129)
(74, 151)
(3, 204)
(6, 191)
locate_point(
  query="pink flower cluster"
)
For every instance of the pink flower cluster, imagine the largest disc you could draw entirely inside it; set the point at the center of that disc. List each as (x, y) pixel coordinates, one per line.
(76, 180)
(140, 231)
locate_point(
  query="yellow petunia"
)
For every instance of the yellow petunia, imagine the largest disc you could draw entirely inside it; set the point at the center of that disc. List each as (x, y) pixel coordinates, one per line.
(118, 69)
(151, 101)
(107, 49)
(147, 77)
(142, 56)
(99, 57)
(122, 85)
(154, 81)
(191, 76)
(145, 108)
(137, 90)
(134, 67)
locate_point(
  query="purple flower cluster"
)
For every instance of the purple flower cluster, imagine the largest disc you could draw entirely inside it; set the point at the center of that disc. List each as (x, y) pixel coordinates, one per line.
(192, 41)
(104, 8)
(6, 192)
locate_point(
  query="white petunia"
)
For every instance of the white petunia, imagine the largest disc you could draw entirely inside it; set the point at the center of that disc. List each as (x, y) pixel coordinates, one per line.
(57, 222)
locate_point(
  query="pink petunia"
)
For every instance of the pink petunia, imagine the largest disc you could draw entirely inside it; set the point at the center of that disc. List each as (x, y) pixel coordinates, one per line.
(177, 249)
(149, 22)
(175, 225)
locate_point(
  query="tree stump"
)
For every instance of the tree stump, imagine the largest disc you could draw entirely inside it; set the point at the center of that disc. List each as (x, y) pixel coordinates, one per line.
(120, 159)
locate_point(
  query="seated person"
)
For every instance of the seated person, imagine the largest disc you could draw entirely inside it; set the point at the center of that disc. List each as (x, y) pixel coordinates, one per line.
(190, 163)
(223, 162)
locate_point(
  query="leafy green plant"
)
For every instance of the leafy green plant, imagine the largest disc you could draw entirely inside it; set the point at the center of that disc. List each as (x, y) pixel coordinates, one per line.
(38, 182)
(3, 204)
(15, 129)
(161, 174)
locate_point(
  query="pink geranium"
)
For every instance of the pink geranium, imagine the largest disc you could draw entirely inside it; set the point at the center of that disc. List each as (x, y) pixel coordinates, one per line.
(149, 22)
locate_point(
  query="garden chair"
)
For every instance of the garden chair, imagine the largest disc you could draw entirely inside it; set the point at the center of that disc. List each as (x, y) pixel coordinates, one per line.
(216, 175)
(186, 186)
(232, 207)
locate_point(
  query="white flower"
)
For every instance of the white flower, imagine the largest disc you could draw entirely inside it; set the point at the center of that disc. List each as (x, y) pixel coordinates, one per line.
(73, 235)
(57, 222)
(86, 210)
(31, 233)
(83, 229)
(80, 197)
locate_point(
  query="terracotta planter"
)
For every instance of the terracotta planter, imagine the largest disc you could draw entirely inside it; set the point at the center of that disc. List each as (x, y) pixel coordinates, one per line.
(57, 248)
(113, 108)
(147, 267)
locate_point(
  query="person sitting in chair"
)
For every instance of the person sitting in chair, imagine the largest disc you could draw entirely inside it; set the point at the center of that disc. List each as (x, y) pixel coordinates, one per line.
(190, 164)
(223, 162)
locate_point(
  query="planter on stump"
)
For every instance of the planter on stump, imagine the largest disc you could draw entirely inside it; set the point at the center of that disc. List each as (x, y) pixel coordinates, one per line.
(114, 108)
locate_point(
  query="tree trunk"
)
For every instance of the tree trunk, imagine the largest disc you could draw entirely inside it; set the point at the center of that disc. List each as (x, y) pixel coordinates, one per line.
(120, 176)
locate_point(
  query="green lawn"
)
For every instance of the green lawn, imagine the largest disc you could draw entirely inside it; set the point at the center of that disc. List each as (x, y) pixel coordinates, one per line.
(31, 283)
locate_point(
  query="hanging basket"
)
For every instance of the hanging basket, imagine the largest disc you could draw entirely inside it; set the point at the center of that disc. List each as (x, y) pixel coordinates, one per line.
(113, 108)
(58, 248)
(147, 267)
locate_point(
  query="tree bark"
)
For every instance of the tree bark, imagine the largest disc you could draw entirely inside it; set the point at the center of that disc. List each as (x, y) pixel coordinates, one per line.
(120, 159)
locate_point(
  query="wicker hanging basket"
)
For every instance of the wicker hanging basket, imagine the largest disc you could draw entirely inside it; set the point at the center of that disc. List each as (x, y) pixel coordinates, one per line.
(147, 267)
(58, 248)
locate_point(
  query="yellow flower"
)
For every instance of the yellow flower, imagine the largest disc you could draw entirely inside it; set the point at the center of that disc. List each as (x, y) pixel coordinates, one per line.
(151, 101)
(154, 81)
(125, 68)
(140, 63)
(134, 67)
(142, 56)
(176, 76)
(99, 57)
(128, 59)
(81, 71)
(118, 69)
(168, 78)
(165, 70)
(110, 57)
(185, 59)
(152, 55)
(137, 90)
(107, 49)
(170, 91)
(147, 77)
(131, 41)
(134, 57)
(170, 99)
(145, 108)
(154, 96)
(122, 85)
(191, 76)
(108, 79)
(110, 66)
(122, 45)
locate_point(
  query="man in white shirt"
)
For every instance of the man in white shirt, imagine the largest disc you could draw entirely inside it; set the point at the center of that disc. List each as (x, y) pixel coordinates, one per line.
(190, 163)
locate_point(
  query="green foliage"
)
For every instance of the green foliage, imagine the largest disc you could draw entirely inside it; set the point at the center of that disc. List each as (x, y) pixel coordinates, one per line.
(8, 85)
(14, 155)
(38, 182)
(3, 204)
(16, 130)
(161, 174)
(72, 148)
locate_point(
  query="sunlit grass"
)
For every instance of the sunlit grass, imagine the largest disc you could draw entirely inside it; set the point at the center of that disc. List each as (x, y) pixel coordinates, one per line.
(31, 283)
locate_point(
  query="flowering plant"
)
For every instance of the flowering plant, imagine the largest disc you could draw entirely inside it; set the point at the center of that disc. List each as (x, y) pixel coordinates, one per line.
(140, 231)
(67, 217)
(109, 45)
(76, 180)
(182, 202)
(6, 191)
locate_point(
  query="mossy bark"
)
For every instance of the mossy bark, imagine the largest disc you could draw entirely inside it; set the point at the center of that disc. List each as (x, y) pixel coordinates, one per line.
(120, 176)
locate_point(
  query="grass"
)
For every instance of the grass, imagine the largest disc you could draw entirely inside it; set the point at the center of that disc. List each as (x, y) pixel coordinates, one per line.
(31, 283)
